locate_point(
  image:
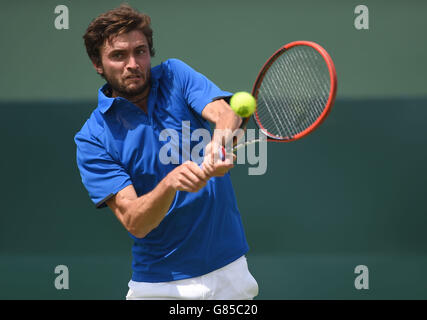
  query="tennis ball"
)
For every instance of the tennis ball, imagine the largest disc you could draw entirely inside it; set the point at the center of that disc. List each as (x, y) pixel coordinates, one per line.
(243, 104)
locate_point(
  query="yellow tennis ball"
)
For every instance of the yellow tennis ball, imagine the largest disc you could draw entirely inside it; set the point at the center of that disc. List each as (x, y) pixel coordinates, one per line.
(243, 104)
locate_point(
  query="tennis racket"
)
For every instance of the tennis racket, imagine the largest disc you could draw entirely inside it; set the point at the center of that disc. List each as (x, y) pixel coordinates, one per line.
(295, 91)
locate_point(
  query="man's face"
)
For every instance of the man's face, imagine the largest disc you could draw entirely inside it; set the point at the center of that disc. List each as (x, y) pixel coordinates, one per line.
(126, 64)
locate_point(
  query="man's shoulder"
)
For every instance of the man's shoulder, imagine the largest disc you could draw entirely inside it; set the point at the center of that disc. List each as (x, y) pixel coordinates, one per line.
(172, 64)
(93, 126)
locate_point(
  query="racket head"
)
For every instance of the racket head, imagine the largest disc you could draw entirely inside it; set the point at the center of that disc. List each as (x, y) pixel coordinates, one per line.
(298, 83)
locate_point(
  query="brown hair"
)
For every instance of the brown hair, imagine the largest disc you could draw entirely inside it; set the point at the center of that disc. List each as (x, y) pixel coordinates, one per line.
(113, 23)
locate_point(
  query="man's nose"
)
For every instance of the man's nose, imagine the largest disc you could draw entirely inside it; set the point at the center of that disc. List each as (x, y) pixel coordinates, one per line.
(132, 63)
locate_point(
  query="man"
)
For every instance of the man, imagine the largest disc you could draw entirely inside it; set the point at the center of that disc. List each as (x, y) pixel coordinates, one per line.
(188, 237)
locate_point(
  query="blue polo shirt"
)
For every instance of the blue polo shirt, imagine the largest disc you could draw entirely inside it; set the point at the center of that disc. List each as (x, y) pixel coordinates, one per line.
(120, 145)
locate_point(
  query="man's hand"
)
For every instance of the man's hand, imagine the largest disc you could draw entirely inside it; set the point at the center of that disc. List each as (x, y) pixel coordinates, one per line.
(187, 177)
(213, 165)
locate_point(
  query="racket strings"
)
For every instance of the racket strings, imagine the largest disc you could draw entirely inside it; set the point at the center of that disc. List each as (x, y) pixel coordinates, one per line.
(314, 104)
(294, 92)
(303, 83)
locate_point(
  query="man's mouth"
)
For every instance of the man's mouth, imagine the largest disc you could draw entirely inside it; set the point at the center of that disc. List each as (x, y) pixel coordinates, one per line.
(133, 77)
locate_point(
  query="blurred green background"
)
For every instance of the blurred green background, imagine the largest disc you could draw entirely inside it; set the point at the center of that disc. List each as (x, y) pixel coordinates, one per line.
(352, 193)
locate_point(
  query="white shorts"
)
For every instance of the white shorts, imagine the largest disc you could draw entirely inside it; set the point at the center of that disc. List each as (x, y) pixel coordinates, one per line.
(232, 282)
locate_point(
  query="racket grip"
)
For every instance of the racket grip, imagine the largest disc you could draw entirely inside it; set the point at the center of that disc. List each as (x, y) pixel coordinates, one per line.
(221, 153)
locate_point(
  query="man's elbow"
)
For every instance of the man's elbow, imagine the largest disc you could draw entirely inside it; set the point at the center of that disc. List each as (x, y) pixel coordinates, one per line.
(137, 233)
(137, 226)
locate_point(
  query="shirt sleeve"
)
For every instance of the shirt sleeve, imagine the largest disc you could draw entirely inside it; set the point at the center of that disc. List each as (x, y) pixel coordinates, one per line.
(197, 89)
(102, 176)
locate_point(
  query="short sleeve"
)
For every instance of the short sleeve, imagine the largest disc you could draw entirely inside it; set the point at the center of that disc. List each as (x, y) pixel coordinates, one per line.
(197, 89)
(102, 176)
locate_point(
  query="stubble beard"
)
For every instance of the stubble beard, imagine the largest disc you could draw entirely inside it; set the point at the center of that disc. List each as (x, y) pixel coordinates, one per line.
(122, 90)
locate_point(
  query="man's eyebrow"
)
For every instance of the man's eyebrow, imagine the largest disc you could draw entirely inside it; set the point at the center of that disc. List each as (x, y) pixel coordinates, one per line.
(122, 50)
(117, 51)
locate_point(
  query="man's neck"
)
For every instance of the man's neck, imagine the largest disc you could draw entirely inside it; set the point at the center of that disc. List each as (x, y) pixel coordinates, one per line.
(141, 100)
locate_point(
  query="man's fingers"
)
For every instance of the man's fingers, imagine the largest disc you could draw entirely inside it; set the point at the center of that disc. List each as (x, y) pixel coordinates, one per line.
(208, 168)
(197, 171)
(201, 174)
(188, 177)
(218, 169)
(195, 174)
(185, 184)
(189, 185)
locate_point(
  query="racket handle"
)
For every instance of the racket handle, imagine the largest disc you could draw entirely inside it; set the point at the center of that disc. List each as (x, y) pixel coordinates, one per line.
(221, 153)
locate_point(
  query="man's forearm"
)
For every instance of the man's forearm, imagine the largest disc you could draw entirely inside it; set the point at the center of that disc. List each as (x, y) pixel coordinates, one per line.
(149, 210)
(225, 121)
(225, 129)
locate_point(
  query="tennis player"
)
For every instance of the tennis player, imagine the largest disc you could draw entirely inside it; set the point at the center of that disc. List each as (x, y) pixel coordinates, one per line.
(189, 241)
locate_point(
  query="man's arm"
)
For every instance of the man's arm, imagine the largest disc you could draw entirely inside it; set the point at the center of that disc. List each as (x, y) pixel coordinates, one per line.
(140, 215)
(226, 122)
(225, 119)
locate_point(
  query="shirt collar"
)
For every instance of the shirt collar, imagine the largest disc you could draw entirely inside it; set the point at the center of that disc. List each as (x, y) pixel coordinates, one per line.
(105, 101)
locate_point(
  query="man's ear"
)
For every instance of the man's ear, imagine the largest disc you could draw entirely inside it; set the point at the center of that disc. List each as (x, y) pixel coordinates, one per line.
(98, 66)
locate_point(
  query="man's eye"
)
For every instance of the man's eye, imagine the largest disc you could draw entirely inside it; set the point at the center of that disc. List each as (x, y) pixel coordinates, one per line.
(118, 55)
